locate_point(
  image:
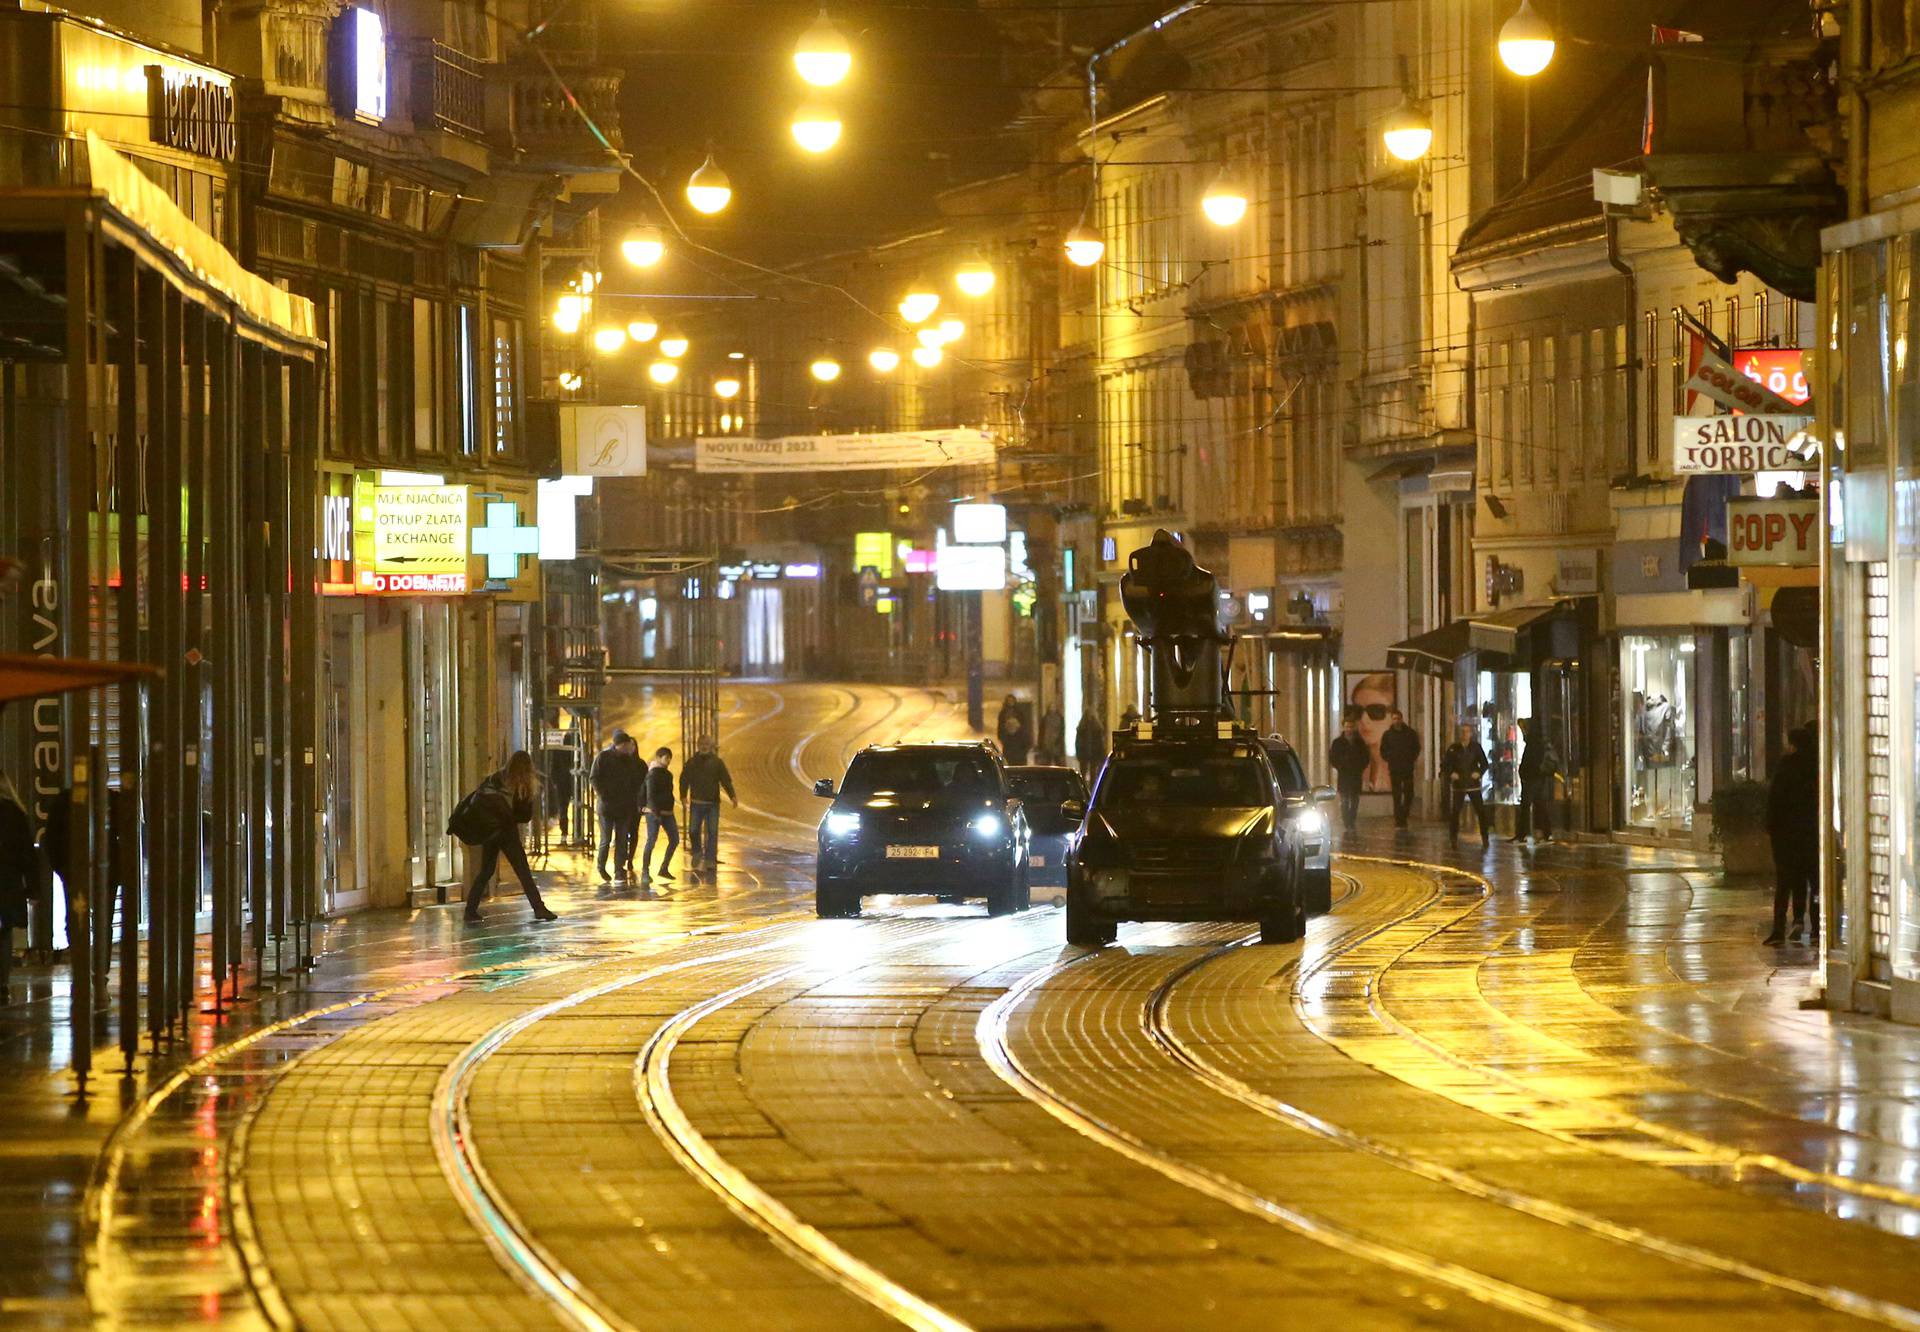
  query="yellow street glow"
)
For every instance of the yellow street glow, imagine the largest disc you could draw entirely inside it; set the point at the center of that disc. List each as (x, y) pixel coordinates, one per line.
(884, 359)
(663, 372)
(569, 380)
(1408, 132)
(822, 55)
(568, 311)
(826, 369)
(919, 305)
(643, 247)
(673, 346)
(815, 128)
(1225, 201)
(708, 189)
(1526, 42)
(929, 337)
(609, 338)
(927, 356)
(952, 330)
(642, 329)
(726, 388)
(974, 277)
(1084, 246)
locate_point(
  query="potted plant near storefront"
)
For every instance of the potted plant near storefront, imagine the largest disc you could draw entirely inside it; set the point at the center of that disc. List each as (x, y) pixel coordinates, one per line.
(1740, 826)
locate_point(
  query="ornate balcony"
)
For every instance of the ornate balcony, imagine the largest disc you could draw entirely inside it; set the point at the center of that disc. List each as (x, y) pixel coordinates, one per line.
(449, 90)
(543, 124)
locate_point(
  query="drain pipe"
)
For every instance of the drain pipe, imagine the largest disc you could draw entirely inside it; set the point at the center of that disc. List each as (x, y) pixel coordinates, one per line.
(1625, 270)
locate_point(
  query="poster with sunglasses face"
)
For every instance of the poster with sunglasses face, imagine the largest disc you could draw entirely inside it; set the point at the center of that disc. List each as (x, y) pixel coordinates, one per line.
(1374, 696)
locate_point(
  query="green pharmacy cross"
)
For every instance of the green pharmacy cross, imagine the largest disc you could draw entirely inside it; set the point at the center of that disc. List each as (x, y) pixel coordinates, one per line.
(503, 541)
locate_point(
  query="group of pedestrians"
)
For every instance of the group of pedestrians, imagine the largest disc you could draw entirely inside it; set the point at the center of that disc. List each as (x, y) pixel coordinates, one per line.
(628, 792)
(1463, 767)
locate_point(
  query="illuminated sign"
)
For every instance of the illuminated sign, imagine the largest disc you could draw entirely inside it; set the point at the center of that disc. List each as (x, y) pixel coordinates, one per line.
(191, 113)
(1781, 369)
(502, 540)
(603, 441)
(360, 64)
(971, 569)
(1773, 531)
(764, 570)
(920, 561)
(802, 571)
(979, 524)
(558, 516)
(336, 537)
(874, 550)
(1736, 445)
(411, 539)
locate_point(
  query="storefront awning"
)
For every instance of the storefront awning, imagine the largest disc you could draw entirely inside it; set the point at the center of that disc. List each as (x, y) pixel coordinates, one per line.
(1499, 631)
(39, 677)
(1434, 652)
(1493, 635)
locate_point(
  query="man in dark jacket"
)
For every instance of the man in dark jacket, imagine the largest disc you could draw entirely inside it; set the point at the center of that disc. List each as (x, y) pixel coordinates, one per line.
(1538, 768)
(1090, 740)
(1015, 735)
(1400, 749)
(1349, 759)
(616, 780)
(701, 782)
(1793, 822)
(1464, 766)
(657, 800)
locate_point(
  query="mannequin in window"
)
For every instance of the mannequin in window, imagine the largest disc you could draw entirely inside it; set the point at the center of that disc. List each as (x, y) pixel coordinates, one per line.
(1657, 732)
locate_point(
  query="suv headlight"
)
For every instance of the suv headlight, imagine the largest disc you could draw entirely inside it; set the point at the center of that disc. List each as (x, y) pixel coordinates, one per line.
(842, 824)
(988, 826)
(1310, 822)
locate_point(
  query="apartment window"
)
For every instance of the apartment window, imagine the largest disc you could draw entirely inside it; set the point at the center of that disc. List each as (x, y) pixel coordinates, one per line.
(426, 379)
(1524, 439)
(466, 379)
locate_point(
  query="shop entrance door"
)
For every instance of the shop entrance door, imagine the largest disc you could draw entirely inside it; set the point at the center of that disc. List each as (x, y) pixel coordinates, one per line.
(342, 859)
(433, 756)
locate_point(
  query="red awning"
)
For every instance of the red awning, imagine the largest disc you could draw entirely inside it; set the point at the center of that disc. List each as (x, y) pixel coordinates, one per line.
(36, 677)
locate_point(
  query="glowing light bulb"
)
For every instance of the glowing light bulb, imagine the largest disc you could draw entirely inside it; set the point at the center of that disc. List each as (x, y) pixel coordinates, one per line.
(726, 388)
(673, 346)
(1408, 132)
(609, 338)
(929, 337)
(884, 359)
(663, 372)
(708, 189)
(919, 305)
(822, 55)
(643, 247)
(1526, 42)
(927, 356)
(568, 311)
(974, 277)
(1084, 246)
(1225, 201)
(642, 329)
(569, 380)
(826, 369)
(952, 330)
(815, 128)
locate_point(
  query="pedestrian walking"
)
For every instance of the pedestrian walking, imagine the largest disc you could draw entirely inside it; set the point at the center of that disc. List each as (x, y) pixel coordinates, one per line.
(1090, 741)
(559, 789)
(1400, 747)
(1464, 765)
(490, 817)
(1538, 769)
(657, 801)
(1793, 823)
(1051, 747)
(616, 779)
(701, 781)
(1349, 758)
(1016, 737)
(19, 865)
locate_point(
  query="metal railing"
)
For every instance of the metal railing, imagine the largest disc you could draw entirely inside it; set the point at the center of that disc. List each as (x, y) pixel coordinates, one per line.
(449, 90)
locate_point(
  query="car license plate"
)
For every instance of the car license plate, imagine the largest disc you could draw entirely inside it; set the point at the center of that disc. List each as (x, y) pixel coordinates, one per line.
(1038, 862)
(913, 853)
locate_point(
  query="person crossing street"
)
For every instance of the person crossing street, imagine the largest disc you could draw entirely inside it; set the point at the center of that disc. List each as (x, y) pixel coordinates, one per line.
(702, 780)
(1400, 747)
(657, 800)
(616, 779)
(1349, 759)
(1464, 766)
(490, 818)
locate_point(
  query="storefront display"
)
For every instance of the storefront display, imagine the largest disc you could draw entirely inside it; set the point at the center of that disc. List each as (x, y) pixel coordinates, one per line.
(1503, 700)
(1657, 730)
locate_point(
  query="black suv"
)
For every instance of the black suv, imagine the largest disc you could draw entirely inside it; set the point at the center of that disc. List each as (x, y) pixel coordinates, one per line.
(1185, 831)
(931, 818)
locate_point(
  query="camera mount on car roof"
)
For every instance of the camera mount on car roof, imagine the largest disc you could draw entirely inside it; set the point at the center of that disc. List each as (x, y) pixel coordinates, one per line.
(1175, 605)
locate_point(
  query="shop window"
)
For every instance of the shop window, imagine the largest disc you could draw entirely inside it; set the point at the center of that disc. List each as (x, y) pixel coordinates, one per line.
(1502, 701)
(1657, 729)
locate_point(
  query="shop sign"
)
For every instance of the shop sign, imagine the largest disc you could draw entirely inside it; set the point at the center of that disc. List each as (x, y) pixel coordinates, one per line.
(502, 541)
(557, 514)
(1730, 388)
(191, 113)
(920, 560)
(764, 570)
(1739, 445)
(979, 524)
(1577, 573)
(971, 569)
(1773, 532)
(412, 539)
(600, 440)
(874, 550)
(336, 537)
(1783, 370)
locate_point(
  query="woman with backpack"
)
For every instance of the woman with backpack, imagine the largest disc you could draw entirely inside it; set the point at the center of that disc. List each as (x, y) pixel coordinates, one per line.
(490, 818)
